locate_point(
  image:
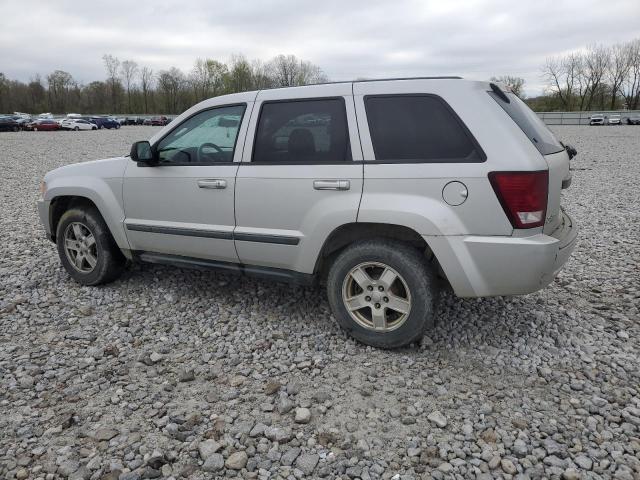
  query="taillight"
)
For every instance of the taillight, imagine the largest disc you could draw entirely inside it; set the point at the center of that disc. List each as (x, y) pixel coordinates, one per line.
(523, 196)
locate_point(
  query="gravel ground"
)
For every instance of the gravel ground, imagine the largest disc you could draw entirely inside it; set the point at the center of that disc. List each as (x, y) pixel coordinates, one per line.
(176, 373)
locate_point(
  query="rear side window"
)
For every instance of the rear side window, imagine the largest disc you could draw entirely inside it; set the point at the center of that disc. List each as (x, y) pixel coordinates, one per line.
(418, 128)
(302, 131)
(529, 123)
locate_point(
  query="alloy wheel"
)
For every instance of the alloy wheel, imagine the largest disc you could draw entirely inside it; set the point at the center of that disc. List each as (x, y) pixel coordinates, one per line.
(80, 247)
(376, 296)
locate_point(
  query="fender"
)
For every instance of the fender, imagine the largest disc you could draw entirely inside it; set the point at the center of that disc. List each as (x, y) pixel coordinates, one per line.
(100, 182)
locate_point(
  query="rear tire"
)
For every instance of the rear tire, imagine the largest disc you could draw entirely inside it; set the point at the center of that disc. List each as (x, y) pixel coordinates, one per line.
(396, 275)
(86, 248)
(76, 129)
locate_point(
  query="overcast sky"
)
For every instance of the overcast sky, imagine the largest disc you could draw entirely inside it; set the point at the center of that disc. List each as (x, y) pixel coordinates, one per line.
(347, 39)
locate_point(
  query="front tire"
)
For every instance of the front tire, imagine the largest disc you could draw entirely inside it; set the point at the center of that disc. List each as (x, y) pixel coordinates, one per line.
(86, 248)
(383, 293)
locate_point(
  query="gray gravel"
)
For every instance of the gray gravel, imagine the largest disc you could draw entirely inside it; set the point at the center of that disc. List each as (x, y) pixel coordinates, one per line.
(188, 374)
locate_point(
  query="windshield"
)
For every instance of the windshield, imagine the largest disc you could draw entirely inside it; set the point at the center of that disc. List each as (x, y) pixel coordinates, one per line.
(529, 123)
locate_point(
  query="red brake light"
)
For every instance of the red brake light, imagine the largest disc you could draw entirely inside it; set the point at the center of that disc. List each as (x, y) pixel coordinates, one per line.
(523, 196)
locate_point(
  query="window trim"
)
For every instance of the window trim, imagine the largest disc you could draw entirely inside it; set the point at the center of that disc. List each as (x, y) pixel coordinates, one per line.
(481, 154)
(292, 100)
(202, 164)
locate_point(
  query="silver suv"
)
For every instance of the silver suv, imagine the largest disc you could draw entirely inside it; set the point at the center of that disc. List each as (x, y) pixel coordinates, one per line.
(382, 189)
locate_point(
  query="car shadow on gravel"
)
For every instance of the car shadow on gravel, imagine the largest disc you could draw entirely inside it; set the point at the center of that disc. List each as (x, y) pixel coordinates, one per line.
(464, 323)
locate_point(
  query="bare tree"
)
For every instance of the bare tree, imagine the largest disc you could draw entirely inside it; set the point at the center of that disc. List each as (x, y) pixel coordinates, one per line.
(555, 73)
(310, 73)
(596, 62)
(240, 75)
(60, 84)
(285, 70)
(112, 65)
(171, 83)
(207, 78)
(515, 84)
(146, 82)
(618, 69)
(631, 85)
(129, 71)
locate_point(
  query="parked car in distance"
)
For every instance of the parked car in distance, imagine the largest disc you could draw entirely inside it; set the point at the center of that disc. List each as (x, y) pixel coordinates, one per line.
(103, 122)
(77, 124)
(291, 184)
(614, 119)
(133, 121)
(633, 120)
(159, 121)
(597, 119)
(8, 123)
(147, 121)
(43, 124)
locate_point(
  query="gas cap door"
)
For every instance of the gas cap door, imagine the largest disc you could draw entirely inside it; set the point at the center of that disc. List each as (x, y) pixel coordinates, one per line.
(455, 193)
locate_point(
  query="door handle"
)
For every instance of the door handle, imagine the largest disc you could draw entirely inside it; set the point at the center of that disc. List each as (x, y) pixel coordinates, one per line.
(213, 183)
(331, 184)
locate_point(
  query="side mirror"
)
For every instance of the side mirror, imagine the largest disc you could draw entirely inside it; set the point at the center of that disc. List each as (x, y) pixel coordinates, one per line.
(141, 152)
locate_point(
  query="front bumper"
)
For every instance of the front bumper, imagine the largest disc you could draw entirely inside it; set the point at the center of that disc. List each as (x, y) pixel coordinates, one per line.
(43, 213)
(488, 266)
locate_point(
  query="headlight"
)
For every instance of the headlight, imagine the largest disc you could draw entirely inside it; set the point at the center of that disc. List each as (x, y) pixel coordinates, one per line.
(43, 188)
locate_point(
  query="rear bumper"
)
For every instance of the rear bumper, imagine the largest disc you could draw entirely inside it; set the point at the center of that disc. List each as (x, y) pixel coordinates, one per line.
(488, 266)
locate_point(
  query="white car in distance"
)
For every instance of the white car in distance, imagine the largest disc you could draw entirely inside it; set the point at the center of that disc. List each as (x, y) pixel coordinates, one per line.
(77, 124)
(614, 120)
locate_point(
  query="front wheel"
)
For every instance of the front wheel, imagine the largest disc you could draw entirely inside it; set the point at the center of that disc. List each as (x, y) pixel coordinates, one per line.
(383, 293)
(76, 129)
(86, 248)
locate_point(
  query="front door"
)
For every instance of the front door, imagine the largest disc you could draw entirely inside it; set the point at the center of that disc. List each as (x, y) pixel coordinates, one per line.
(301, 179)
(184, 204)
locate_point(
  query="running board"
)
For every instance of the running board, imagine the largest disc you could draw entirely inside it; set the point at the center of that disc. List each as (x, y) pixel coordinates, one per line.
(277, 274)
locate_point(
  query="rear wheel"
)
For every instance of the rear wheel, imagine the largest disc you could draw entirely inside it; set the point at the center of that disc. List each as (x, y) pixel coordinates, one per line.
(76, 129)
(86, 248)
(383, 293)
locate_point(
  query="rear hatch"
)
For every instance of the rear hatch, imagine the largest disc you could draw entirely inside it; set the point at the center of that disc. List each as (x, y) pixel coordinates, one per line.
(546, 143)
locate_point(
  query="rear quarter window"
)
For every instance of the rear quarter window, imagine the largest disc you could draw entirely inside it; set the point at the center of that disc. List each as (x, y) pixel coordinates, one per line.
(418, 128)
(534, 128)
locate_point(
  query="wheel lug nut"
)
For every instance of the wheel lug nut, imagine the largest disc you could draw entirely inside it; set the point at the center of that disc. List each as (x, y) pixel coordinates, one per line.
(386, 299)
(369, 288)
(377, 305)
(381, 288)
(367, 298)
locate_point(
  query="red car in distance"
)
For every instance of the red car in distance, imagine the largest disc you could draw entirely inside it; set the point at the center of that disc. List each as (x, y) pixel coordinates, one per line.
(43, 125)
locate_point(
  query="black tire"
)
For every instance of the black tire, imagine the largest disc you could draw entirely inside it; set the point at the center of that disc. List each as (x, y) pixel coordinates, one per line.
(110, 260)
(412, 266)
(77, 129)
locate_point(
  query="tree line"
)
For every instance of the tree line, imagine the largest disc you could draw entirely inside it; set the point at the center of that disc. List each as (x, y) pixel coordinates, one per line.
(130, 88)
(597, 78)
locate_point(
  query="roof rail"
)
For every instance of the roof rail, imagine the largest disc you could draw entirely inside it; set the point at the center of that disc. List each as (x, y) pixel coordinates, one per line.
(449, 77)
(445, 77)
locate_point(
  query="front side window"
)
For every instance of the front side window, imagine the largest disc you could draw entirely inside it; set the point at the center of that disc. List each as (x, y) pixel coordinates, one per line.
(302, 131)
(418, 128)
(207, 137)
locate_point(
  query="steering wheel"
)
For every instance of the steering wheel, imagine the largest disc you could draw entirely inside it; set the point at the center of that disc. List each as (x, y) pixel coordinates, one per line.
(201, 152)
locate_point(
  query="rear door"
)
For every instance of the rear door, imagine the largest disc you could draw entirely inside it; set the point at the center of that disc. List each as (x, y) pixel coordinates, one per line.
(299, 178)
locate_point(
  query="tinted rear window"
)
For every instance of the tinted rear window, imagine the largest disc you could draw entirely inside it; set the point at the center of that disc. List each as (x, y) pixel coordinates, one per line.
(418, 128)
(529, 123)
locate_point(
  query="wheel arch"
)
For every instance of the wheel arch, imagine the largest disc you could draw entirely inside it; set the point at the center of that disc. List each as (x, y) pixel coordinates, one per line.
(348, 233)
(59, 204)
